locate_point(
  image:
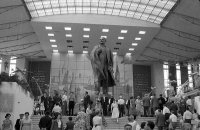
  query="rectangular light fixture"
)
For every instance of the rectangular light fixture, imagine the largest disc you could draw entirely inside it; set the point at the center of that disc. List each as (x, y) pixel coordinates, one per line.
(104, 36)
(105, 30)
(124, 31)
(68, 28)
(70, 51)
(134, 44)
(54, 46)
(138, 38)
(86, 29)
(68, 35)
(48, 28)
(114, 53)
(52, 40)
(85, 52)
(128, 54)
(121, 38)
(50, 34)
(55, 51)
(86, 36)
(131, 49)
(142, 32)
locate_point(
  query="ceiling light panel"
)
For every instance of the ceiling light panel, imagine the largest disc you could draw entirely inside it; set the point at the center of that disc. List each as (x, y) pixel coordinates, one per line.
(68, 28)
(52, 40)
(105, 30)
(85, 52)
(48, 28)
(114, 53)
(54, 46)
(138, 38)
(128, 54)
(124, 31)
(134, 44)
(142, 32)
(131, 49)
(103, 36)
(120, 38)
(55, 51)
(86, 36)
(70, 51)
(51, 34)
(68, 35)
(86, 29)
(143, 10)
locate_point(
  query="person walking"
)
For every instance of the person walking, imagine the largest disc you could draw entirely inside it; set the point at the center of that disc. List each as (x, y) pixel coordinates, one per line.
(97, 121)
(115, 111)
(26, 123)
(57, 123)
(146, 104)
(18, 122)
(160, 120)
(45, 122)
(7, 123)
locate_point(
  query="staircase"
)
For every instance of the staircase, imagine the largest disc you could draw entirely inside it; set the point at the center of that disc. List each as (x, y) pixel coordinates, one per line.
(111, 123)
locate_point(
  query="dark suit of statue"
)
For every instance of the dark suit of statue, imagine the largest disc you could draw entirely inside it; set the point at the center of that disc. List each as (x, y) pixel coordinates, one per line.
(102, 64)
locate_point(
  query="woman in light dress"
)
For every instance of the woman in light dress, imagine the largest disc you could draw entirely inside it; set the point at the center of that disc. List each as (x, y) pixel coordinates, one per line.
(139, 107)
(7, 123)
(115, 110)
(26, 123)
(97, 121)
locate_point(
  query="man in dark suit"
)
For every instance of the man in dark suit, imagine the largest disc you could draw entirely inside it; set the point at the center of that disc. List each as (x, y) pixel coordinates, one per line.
(146, 104)
(18, 122)
(154, 103)
(173, 107)
(45, 122)
(104, 103)
(110, 103)
(86, 100)
(70, 124)
(160, 120)
(44, 99)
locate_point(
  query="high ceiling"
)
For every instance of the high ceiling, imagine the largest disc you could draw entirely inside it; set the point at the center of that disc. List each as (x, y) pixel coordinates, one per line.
(174, 37)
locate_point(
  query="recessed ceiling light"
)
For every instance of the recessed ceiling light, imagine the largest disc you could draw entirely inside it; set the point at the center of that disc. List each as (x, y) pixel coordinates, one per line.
(134, 44)
(50, 34)
(128, 54)
(104, 36)
(121, 38)
(68, 35)
(54, 46)
(131, 49)
(86, 36)
(55, 51)
(85, 52)
(86, 29)
(68, 28)
(48, 28)
(114, 53)
(105, 30)
(52, 40)
(142, 32)
(70, 51)
(138, 38)
(124, 31)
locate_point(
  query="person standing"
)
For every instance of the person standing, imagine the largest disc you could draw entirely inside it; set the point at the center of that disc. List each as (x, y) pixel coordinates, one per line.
(160, 120)
(110, 103)
(104, 103)
(57, 123)
(82, 121)
(7, 123)
(161, 102)
(69, 124)
(154, 103)
(44, 100)
(71, 104)
(26, 123)
(18, 122)
(97, 121)
(174, 108)
(172, 121)
(115, 110)
(64, 102)
(138, 103)
(45, 122)
(146, 105)
(86, 100)
(57, 108)
(128, 106)
(121, 106)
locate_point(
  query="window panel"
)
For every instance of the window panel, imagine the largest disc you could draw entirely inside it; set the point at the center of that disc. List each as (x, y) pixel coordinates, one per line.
(116, 12)
(31, 6)
(79, 10)
(110, 4)
(86, 10)
(123, 13)
(102, 3)
(38, 5)
(71, 10)
(126, 5)
(101, 10)
(94, 10)
(41, 12)
(63, 11)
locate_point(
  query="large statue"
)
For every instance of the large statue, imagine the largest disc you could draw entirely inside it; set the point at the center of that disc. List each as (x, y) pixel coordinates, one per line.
(102, 65)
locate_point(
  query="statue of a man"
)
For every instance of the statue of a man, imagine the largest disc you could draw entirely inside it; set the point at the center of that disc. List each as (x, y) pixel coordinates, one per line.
(102, 65)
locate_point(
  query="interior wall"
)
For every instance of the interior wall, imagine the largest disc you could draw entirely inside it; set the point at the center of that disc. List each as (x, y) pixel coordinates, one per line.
(73, 72)
(14, 100)
(157, 78)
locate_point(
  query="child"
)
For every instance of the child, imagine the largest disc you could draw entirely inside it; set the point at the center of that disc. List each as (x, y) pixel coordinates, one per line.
(42, 108)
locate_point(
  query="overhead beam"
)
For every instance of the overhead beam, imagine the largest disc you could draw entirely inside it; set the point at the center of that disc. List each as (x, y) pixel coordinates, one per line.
(7, 8)
(190, 19)
(166, 52)
(10, 25)
(26, 8)
(15, 37)
(183, 34)
(177, 45)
